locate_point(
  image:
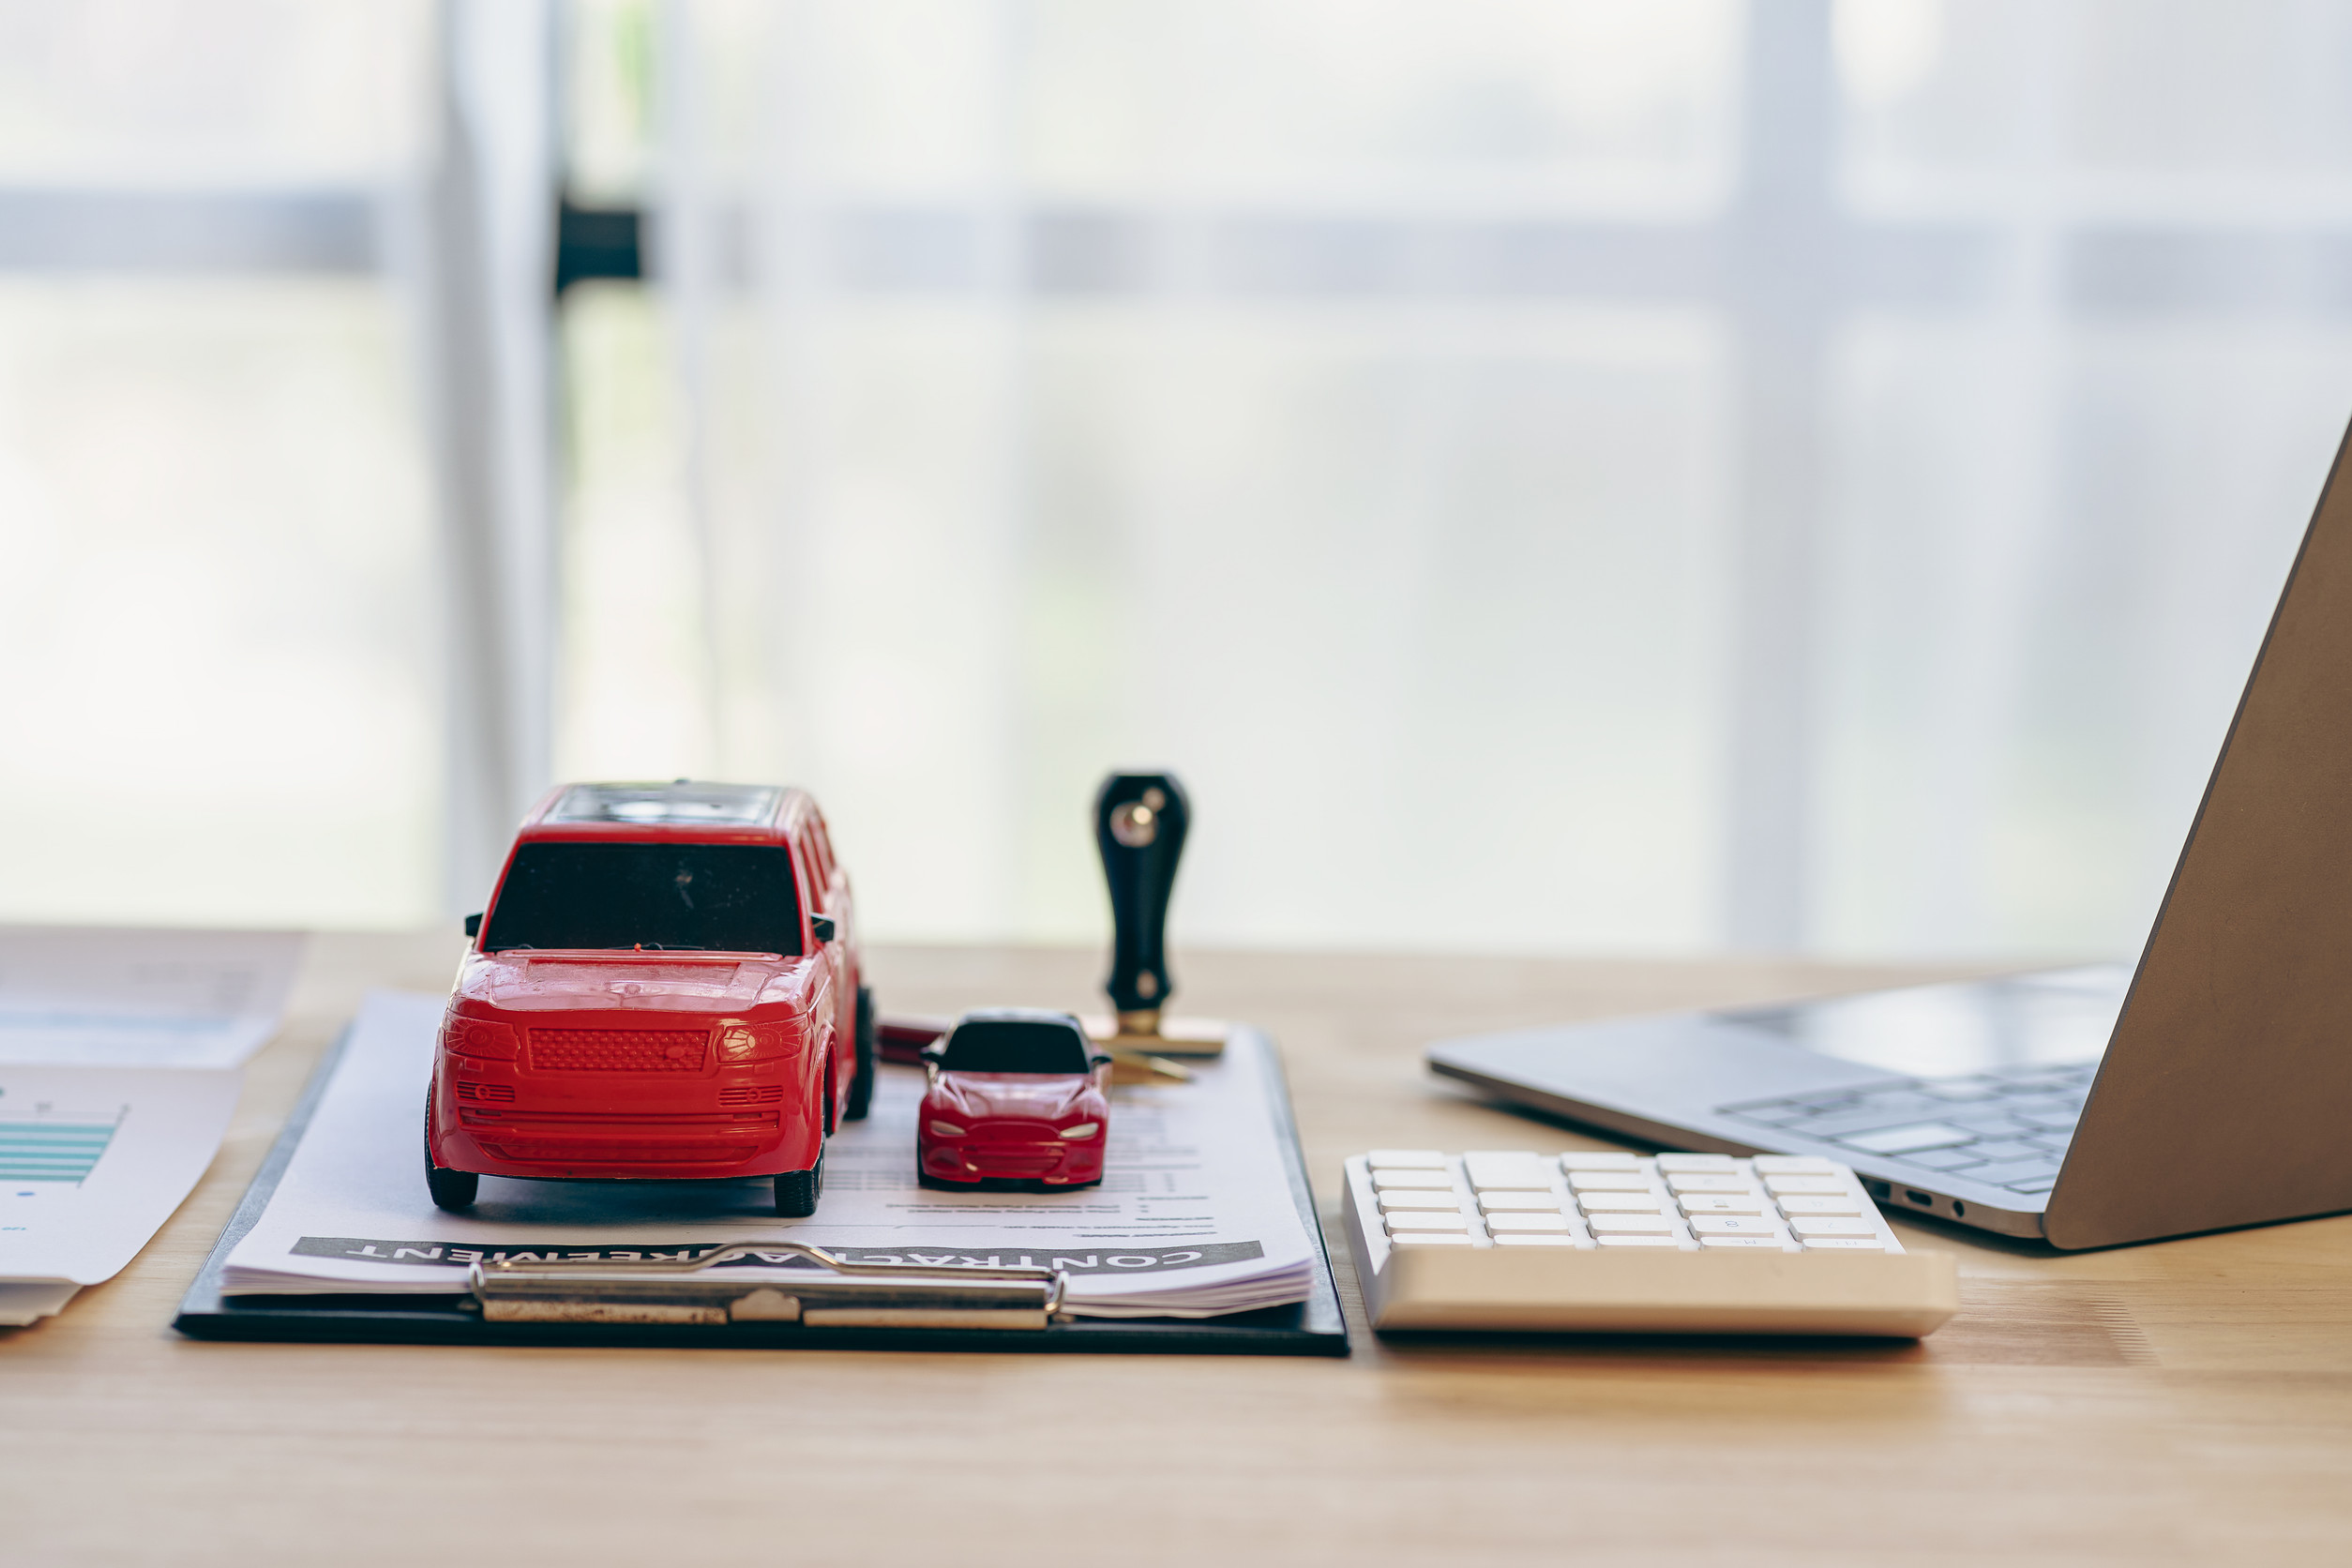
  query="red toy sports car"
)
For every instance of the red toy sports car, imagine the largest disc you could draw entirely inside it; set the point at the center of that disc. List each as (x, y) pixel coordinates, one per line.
(1016, 1095)
(666, 986)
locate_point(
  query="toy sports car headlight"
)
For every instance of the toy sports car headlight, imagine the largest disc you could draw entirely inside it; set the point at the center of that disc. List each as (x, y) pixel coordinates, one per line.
(946, 1129)
(1079, 1131)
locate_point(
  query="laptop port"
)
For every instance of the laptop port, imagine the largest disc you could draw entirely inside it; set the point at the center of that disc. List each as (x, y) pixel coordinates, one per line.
(1876, 1189)
(1959, 1210)
(1924, 1200)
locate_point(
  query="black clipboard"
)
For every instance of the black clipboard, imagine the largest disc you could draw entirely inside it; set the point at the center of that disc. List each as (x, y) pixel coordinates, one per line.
(1314, 1327)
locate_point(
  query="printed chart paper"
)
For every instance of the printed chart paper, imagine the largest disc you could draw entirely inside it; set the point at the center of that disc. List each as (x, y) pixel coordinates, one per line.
(1194, 1217)
(93, 1160)
(94, 997)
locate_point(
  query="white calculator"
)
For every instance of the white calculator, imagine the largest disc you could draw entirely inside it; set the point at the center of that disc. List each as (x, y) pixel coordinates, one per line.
(1628, 1243)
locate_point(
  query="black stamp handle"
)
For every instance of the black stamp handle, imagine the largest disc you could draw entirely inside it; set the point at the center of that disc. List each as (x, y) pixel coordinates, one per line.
(1139, 821)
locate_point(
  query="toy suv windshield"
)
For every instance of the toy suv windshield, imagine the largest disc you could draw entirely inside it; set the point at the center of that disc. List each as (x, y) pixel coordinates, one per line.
(674, 898)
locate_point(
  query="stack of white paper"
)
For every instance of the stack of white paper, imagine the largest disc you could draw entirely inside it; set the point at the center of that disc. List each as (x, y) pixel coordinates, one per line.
(1194, 1217)
(118, 1073)
(95, 996)
(93, 1160)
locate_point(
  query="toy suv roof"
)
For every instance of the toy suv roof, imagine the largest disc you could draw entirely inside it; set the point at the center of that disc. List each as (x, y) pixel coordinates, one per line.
(684, 808)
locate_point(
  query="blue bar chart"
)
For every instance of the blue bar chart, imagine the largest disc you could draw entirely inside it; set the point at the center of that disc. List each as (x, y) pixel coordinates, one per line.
(46, 1149)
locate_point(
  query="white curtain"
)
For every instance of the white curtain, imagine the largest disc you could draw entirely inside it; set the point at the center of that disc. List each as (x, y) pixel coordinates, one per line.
(218, 591)
(1548, 474)
(483, 268)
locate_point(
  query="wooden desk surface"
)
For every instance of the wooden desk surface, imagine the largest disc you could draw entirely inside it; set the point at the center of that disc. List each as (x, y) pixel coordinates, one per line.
(2190, 1401)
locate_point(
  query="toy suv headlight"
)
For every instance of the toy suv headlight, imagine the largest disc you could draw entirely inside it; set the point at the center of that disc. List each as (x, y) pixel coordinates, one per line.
(474, 1037)
(755, 1043)
(1077, 1131)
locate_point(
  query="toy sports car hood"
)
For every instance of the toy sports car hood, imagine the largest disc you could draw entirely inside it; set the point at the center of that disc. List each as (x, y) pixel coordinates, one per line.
(1034, 1096)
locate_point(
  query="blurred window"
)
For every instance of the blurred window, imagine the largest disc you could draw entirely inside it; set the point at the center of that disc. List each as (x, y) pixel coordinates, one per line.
(217, 600)
(1634, 474)
(1803, 477)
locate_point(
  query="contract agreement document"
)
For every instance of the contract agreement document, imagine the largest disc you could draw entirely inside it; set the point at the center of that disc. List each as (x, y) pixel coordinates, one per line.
(1194, 1218)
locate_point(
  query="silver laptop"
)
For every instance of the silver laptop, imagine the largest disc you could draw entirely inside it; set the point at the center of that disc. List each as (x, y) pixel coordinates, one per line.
(2210, 1087)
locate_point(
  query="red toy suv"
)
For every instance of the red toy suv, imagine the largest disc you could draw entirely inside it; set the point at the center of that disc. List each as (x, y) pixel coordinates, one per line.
(666, 986)
(1016, 1095)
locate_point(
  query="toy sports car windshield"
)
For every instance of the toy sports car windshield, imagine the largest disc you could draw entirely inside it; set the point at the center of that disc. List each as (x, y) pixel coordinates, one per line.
(666, 985)
(1016, 1095)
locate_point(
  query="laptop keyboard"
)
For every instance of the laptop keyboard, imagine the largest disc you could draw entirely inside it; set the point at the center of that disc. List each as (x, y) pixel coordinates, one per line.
(2006, 1128)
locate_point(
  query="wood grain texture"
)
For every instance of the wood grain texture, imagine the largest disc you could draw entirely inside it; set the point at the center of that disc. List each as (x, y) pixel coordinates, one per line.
(2185, 1402)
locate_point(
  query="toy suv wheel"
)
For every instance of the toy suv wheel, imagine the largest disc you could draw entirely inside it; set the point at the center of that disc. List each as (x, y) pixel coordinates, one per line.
(451, 1189)
(862, 1078)
(797, 1191)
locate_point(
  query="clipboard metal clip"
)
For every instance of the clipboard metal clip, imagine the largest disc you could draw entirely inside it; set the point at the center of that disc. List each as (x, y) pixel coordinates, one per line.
(847, 1295)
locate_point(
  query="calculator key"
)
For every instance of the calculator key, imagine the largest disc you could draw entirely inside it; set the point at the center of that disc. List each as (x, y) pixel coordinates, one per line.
(1409, 1219)
(1807, 1203)
(1527, 1172)
(1385, 1181)
(1810, 1225)
(1608, 1181)
(1431, 1238)
(1637, 1241)
(1844, 1244)
(1530, 1179)
(1732, 1224)
(1619, 1202)
(1493, 1201)
(1776, 1185)
(1707, 1181)
(1498, 1224)
(1533, 1238)
(1772, 1244)
(1630, 1223)
(1725, 1204)
(1405, 1159)
(1391, 1201)
(1697, 1162)
(1587, 1159)
(1794, 1165)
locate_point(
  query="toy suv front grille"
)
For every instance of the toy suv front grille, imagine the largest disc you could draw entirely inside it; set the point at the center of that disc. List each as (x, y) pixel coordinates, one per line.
(619, 1050)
